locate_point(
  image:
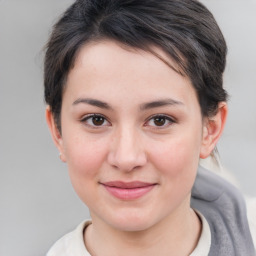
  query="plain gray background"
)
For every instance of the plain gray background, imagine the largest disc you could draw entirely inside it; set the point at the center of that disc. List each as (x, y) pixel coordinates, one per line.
(37, 202)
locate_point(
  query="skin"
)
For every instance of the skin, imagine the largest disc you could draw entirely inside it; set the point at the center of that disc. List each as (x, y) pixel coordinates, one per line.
(148, 128)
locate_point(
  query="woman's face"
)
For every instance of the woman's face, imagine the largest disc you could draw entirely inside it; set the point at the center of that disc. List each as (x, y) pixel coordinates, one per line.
(132, 135)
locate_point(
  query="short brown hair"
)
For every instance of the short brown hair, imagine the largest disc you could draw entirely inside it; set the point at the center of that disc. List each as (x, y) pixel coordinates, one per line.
(184, 29)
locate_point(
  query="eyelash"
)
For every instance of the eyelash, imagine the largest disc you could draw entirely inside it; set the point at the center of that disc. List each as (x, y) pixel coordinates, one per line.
(166, 118)
(85, 120)
(167, 121)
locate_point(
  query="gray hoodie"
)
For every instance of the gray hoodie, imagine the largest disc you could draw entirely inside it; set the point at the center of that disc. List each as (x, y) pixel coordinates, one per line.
(224, 208)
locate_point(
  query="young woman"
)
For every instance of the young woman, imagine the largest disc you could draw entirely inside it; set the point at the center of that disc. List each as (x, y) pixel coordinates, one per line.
(135, 99)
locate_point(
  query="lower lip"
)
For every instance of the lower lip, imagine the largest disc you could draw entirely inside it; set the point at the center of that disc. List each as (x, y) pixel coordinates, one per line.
(129, 194)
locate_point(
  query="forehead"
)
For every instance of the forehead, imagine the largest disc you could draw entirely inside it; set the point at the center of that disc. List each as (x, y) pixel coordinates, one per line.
(108, 67)
(103, 46)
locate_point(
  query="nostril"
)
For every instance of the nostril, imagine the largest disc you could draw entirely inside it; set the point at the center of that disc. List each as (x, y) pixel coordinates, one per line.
(126, 153)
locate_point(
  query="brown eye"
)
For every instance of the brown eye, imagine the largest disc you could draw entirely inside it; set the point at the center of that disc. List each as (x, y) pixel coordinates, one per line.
(98, 120)
(95, 121)
(159, 121)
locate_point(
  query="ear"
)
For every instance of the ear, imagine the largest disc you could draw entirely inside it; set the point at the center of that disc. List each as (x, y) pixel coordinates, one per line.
(55, 133)
(212, 130)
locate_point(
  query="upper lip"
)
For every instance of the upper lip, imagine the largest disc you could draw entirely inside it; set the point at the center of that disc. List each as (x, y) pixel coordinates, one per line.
(132, 184)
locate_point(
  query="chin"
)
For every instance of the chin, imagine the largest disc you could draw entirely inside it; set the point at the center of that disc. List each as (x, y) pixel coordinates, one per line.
(132, 223)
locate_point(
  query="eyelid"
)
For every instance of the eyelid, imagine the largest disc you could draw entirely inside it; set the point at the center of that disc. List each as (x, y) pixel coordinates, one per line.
(88, 116)
(172, 120)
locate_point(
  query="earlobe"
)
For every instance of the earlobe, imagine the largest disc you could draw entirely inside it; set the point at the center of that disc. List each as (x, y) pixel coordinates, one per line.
(55, 133)
(212, 130)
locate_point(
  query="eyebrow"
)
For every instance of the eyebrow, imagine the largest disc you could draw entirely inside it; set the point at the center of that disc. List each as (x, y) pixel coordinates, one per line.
(160, 103)
(93, 102)
(144, 106)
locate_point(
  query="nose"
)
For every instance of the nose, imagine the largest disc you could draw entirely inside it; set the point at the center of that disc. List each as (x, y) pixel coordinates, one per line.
(126, 151)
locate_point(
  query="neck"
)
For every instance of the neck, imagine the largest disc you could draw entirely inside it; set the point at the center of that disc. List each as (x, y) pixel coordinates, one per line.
(177, 234)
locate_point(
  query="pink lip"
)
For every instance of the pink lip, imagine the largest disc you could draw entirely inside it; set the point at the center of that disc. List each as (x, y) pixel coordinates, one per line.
(128, 190)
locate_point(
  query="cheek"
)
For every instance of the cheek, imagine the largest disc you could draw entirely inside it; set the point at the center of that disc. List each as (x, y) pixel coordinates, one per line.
(84, 158)
(84, 165)
(176, 162)
(176, 157)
